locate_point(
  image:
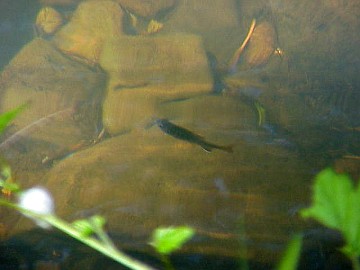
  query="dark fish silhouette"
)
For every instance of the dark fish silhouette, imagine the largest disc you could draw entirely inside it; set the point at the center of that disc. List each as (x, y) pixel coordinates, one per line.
(186, 135)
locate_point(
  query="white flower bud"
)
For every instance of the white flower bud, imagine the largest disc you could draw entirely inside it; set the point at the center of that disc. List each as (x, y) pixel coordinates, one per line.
(39, 201)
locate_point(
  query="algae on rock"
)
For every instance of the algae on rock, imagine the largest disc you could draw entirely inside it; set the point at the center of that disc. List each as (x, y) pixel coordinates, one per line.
(92, 23)
(144, 71)
(64, 103)
(213, 20)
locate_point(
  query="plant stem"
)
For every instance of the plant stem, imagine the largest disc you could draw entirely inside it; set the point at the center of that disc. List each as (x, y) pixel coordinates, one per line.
(115, 254)
(108, 250)
(104, 237)
(166, 261)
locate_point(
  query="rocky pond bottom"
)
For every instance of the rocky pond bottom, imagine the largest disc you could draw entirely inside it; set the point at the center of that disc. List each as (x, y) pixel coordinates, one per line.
(244, 200)
(243, 205)
(142, 116)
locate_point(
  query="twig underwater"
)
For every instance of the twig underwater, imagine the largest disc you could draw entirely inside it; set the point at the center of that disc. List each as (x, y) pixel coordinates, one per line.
(33, 126)
(235, 58)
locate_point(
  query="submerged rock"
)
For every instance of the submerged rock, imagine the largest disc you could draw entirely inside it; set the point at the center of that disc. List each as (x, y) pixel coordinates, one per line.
(261, 46)
(145, 71)
(63, 97)
(92, 23)
(215, 21)
(48, 21)
(146, 8)
(207, 115)
(146, 178)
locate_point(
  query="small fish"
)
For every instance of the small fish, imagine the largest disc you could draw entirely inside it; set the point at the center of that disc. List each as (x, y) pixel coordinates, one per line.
(186, 135)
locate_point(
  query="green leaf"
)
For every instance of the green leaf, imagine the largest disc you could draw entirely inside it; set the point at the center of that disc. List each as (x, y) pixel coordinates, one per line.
(97, 221)
(331, 194)
(167, 240)
(336, 204)
(351, 228)
(291, 256)
(6, 180)
(87, 227)
(7, 117)
(83, 227)
(9, 187)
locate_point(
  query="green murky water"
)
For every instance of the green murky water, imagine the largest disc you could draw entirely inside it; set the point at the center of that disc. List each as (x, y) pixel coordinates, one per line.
(287, 104)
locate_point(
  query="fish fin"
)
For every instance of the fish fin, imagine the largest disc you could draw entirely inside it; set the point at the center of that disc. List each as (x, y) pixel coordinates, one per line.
(207, 149)
(226, 148)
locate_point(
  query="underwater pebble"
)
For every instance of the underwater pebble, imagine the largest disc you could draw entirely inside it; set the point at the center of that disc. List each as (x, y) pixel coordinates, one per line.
(261, 45)
(48, 20)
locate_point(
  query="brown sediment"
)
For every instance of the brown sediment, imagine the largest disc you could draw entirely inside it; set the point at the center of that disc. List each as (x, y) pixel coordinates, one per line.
(235, 59)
